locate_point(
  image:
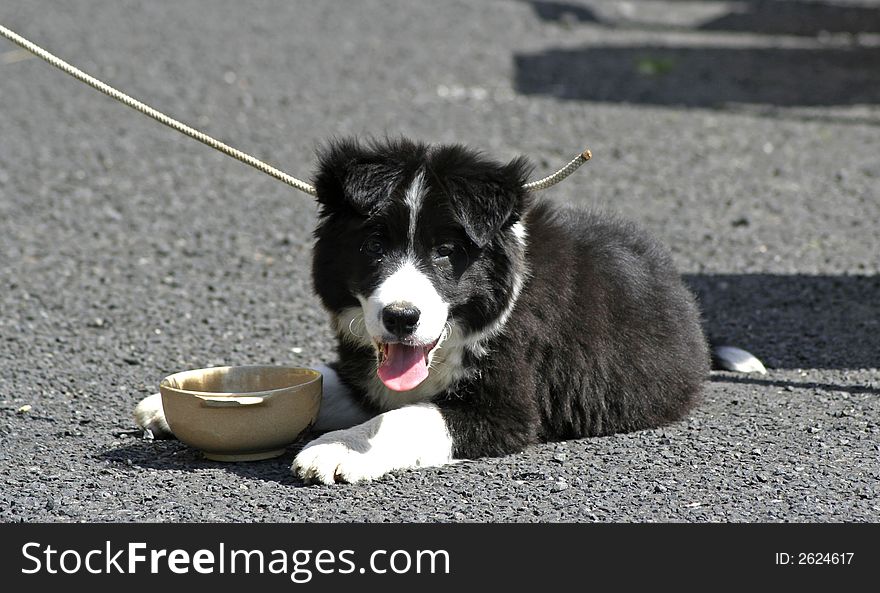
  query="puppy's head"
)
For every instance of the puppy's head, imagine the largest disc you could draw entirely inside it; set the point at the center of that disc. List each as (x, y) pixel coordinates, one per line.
(416, 245)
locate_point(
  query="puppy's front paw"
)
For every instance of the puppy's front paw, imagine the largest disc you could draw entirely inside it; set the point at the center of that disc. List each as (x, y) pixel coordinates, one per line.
(340, 456)
(150, 415)
(409, 437)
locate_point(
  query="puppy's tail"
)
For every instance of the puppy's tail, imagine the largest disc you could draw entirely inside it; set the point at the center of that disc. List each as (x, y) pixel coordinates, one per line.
(731, 358)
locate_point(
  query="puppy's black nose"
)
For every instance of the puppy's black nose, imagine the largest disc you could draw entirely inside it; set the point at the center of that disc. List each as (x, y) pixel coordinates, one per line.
(400, 320)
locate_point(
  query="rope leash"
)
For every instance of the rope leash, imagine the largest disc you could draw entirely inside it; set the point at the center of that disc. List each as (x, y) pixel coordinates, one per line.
(254, 162)
(155, 114)
(561, 174)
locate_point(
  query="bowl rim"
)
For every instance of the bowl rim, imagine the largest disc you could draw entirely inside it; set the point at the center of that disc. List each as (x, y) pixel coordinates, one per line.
(315, 376)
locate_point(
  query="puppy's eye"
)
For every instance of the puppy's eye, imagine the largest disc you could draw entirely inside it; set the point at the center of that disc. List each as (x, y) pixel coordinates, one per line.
(444, 251)
(373, 246)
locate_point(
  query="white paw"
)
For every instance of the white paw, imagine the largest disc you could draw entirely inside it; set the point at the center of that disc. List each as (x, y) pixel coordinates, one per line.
(150, 415)
(330, 460)
(410, 437)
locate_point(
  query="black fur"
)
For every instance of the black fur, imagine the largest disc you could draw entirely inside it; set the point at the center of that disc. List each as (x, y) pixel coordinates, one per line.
(603, 338)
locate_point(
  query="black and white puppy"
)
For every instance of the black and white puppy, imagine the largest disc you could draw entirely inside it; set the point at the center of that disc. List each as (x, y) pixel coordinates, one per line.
(474, 320)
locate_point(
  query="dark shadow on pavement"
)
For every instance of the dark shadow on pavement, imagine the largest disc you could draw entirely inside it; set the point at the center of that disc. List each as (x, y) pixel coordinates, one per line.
(784, 17)
(767, 17)
(171, 454)
(562, 12)
(794, 321)
(791, 385)
(708, 77)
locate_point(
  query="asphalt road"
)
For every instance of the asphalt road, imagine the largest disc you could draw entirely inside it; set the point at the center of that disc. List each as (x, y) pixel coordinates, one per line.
(746, 136)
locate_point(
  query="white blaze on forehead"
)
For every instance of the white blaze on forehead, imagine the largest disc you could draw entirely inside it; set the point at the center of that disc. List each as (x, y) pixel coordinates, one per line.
(413, 198)
(407, 286)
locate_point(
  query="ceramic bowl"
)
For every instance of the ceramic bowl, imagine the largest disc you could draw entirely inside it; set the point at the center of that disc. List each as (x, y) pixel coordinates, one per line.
(241, 413)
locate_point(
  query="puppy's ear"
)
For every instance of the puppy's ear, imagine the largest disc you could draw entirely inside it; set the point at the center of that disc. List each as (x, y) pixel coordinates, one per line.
(352, 178)
(491, 199)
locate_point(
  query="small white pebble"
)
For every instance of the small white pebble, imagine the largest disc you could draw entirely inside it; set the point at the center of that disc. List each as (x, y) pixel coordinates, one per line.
(25, 409)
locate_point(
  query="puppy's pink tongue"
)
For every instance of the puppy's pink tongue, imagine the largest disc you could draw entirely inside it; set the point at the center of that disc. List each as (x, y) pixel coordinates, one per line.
(404, 367)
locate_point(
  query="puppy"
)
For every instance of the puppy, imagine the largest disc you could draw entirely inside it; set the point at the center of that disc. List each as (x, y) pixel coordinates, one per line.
(475, 320)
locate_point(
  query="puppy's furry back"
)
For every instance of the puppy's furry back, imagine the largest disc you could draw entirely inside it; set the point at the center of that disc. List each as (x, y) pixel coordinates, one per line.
(604, 338)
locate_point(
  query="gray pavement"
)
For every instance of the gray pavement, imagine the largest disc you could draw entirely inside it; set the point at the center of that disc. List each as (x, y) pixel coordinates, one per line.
(746, 135)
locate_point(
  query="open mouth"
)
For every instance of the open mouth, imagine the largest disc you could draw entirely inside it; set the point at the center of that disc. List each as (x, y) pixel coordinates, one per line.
(403, 366)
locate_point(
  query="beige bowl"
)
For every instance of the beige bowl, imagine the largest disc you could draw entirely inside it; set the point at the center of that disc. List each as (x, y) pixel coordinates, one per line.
(241, 413)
